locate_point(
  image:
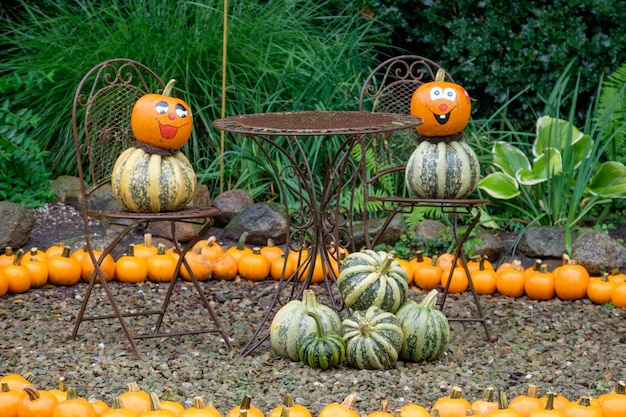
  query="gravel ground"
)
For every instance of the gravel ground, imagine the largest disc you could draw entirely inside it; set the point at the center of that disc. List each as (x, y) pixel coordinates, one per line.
(573, 348)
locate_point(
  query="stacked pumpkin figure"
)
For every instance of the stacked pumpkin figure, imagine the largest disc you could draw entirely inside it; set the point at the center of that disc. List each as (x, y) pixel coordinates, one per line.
(383, 325)
(443, 166)
(153, 175)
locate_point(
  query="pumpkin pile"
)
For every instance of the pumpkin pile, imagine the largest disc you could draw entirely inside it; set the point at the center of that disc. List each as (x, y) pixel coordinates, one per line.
(382, 326)
(19, 397)
(443, 166)
(153, 175)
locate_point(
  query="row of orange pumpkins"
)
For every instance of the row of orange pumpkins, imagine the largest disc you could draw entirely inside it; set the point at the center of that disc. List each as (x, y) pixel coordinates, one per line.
(20, 398)
(57, 265)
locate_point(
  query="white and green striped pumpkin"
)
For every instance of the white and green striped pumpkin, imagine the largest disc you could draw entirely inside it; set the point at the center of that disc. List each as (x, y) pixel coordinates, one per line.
(373, 338)
(292, 324)
(370, 278)
(426, 330)
(442, 170)
(150, 183)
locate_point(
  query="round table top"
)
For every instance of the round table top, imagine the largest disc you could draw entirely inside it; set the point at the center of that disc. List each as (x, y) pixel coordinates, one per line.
(316, 123)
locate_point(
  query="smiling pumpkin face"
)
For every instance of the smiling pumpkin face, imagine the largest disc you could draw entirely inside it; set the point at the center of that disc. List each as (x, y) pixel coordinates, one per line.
(445, 107)
(161, 120)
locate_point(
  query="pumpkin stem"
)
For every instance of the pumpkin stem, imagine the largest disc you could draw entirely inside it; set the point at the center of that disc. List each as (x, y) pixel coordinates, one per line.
(288, 399)
(537, 264)
(72, 394)
(5, 387)
(481, 262)
(319, 328)
(241, 243)
(32, 392)
(503, 403)
(489, 394)
(167, 91)
(550, 402)
(440, 75)
(386, 263)
(155, 404)
(308, 299)
(349, 401)
(620, 388)
(245, 402)
(532, 391)
(18, 257)
(198, 403)
(430, 300)
(419, 256)
(284, 412)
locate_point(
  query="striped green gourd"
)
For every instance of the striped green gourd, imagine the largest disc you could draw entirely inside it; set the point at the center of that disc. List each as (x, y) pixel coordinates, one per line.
(292, 324)
(426, 330)
(322, 349)
(150, 183)
(373, 338)
(370, 278)
(442, 170)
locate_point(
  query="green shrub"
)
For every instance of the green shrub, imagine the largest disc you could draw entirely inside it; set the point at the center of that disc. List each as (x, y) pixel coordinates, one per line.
(497, 48)
(24, 178)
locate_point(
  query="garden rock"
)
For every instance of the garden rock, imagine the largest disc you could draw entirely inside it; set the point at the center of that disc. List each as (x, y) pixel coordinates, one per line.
(429, 230)
(488, 244)
(598, 252)
(231, 203)
(390, 236)
(16, 223)
(544, 242)
(261, 221)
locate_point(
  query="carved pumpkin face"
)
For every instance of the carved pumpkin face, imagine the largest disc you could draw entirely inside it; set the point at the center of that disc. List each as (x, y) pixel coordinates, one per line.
(445, 108)
(162, 121)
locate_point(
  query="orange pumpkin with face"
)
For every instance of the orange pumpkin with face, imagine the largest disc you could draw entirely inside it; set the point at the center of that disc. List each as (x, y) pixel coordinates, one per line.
(445, 107)
(161, 120)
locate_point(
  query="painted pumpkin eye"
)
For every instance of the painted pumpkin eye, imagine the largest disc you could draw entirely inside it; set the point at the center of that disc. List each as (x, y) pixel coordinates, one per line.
(181, 111)
(436, 93)
(161, 107)
(449, 94)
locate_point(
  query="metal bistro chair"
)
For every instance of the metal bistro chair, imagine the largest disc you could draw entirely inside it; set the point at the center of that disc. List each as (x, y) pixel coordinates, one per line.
(101, 126)
(389, 88)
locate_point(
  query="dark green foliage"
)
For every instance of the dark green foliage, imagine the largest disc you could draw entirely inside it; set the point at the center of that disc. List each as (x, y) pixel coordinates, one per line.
(496, 48)
(24, 178)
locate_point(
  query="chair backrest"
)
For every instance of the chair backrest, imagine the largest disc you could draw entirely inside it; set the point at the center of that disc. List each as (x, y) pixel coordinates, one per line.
(390, 86)
(101, 114)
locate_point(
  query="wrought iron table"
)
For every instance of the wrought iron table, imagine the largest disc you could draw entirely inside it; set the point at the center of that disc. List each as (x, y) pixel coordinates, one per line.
(322, 219)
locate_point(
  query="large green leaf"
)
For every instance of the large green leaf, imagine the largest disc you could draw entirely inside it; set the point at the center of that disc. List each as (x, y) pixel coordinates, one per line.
(499, 185)
(609, 181)
(545, 166)
(509, 158)
(556, 133)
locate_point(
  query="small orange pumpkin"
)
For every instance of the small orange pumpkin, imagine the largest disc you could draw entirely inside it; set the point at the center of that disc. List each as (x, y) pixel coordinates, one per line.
(37, 403)
(510, 281)
(251, 411)
(452, 405)
(445, 107)
(458, 280)
(211, 249)
(618, 295)
(198, 409)
(600, 289)
(571, 280)
(254, 266)
(484, 276)
(344, 409)
(162, 120)
(130, 268)
(74, 406)
(293, 410)
(539, 283)
(161, 266)
(427, 275)
(19, 276)
(225, 267)
(135, 398)
(107, 266)
(200, 266)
